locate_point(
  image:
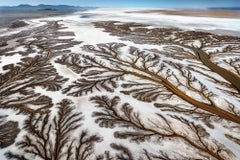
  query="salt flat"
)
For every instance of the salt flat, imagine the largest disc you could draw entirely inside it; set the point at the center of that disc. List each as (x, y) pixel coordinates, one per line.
(120, 84)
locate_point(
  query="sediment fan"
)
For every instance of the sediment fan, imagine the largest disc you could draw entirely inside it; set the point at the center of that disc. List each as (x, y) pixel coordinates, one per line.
(144, 93)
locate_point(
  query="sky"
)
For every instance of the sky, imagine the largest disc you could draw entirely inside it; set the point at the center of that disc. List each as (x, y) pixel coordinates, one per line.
(131, 3)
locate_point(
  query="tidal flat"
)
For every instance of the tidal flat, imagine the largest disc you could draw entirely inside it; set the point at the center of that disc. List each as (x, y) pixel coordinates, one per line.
(132, 84)
(7, 17)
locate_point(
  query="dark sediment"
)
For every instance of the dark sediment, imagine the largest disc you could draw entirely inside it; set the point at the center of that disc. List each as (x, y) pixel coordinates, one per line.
(18, 24)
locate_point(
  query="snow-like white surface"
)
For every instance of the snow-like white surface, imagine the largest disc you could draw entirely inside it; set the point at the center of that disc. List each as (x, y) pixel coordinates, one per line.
(81, 24)
(157, 19)
(153, 19)
(4, 60)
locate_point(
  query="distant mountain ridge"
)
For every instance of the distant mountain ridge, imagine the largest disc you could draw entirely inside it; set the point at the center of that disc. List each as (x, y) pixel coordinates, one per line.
(43, 7)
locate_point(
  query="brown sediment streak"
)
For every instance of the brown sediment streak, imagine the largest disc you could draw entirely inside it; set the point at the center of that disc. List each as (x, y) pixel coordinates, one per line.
(227, 75)
(153, 131)
(232, 78)
(207, 107)
(186, 139)
(203, 57)
(148, 75)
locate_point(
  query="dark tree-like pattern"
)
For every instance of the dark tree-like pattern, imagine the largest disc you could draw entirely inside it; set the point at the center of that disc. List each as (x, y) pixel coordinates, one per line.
(8, 132)
(19, 80)
(181, 84)
(50, 136)
(112, 115)
(108, 65)
(196, 45)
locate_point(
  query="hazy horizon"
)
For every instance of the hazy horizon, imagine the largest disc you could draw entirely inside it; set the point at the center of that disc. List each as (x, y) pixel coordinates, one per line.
(131, 3)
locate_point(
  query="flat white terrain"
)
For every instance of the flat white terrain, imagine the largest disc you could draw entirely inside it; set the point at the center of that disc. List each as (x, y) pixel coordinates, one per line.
(120, 84)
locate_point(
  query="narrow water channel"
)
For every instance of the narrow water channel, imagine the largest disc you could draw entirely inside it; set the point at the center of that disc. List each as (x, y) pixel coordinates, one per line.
(229, 76)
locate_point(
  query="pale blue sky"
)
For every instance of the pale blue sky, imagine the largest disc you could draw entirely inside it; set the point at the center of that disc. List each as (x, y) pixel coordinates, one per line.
(132, 3)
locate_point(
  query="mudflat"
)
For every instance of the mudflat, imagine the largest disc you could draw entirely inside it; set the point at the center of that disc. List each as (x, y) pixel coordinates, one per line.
(8, 17)
(221, 13)
(102, 84)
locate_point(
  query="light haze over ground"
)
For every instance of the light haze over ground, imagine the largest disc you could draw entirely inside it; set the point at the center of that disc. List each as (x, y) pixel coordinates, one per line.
(131, 3)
